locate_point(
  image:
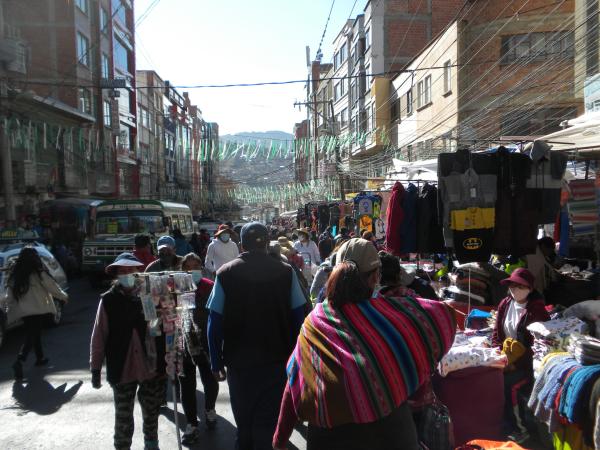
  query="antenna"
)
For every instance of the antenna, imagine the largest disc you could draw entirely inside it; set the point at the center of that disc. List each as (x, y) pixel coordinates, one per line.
(307, 56)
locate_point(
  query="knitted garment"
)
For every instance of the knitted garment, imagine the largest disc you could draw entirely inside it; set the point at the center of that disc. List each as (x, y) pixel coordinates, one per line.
(576, 393)
(358, 363)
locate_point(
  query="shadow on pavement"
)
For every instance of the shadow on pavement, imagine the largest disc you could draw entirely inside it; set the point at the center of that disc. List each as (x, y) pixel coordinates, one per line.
(39, 396)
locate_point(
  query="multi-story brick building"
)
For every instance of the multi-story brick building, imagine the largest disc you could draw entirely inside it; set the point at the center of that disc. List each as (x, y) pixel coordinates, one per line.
(367, 51)
(502, 72)
(81, 57)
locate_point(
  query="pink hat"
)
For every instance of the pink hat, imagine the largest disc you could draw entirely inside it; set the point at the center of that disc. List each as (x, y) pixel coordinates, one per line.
(520, 276)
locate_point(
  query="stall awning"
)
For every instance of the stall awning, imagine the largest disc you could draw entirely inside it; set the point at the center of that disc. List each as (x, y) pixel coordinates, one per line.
(583, 133)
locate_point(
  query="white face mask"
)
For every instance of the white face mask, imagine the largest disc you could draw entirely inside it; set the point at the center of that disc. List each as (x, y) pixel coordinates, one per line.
(196, 276)
(224, 238)
(127, 281)
(519, 293)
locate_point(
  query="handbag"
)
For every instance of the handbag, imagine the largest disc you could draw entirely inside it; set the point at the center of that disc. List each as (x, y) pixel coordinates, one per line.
(434, 427)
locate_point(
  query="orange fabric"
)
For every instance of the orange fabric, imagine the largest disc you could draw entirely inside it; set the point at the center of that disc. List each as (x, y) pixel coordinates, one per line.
(496, 445)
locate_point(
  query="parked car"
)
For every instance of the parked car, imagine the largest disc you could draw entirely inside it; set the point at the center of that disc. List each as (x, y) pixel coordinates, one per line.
(9, 252)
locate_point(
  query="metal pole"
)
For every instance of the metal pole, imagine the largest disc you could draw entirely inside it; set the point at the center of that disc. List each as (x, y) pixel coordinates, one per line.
(176, 414)
(338, 160)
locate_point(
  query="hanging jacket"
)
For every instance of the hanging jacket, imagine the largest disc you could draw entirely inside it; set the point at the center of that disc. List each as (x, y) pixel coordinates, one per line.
(408, 228)
(395, 216)
(429, 231)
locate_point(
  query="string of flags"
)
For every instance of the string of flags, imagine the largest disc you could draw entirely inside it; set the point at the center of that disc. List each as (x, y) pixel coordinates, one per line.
(33, 135)
(314, 190)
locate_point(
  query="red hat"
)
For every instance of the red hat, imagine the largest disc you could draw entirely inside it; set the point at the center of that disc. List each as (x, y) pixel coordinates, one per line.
(222, 229)
(520, 276)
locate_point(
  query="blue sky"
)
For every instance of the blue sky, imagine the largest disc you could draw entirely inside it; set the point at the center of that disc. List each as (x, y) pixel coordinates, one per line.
(191, 42)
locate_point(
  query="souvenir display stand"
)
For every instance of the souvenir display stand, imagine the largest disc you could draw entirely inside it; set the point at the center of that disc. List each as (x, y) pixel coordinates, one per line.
(168, 299)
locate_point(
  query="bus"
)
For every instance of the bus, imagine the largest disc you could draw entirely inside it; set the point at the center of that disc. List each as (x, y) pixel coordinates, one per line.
(117, 222)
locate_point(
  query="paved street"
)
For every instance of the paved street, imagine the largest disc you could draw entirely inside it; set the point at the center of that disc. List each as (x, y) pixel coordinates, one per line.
(57, 408)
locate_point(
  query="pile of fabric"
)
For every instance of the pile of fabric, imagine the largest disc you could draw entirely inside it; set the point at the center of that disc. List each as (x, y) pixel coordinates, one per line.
(567, 392)
(583, 210)
(552, 336)
(586, 349)
(471, 351)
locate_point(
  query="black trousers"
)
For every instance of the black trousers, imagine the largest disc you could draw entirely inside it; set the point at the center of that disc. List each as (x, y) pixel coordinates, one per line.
(33, 336)
(255, 395)
(187, 382)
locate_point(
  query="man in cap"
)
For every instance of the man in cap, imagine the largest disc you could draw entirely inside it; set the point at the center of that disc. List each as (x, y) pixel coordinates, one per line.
(256, 311)
(167, 258)
(221, 250)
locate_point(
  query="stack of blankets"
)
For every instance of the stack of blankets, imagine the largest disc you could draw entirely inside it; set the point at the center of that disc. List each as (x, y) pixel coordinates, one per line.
(471, 280)
(553, 336)
(585, 349)
(582, 206)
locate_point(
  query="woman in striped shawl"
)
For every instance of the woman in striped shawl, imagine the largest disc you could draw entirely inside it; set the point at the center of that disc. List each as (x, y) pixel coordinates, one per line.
(359, 358)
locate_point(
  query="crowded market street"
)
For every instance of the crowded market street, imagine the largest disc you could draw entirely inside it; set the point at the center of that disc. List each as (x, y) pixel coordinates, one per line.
(56, 407)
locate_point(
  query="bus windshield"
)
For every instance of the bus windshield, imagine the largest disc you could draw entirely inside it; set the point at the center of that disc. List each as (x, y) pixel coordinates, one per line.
(129, 222)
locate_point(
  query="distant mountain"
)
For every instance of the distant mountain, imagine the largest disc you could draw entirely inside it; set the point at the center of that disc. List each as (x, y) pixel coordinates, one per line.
(258, 135)
(258, 171)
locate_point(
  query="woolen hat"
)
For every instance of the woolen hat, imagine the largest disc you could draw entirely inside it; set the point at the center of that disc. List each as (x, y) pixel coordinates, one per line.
(165, 241)
(254, 234)
(360, 251)
(123, 260)
(223, 229)
(520, 276)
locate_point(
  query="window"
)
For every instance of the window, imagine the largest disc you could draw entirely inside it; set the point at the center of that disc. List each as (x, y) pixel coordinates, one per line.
(119, 11)
(107, 110)
(336, 60)
(353, 92)
(533, 47)
(83, 49)
(344, 117)
(121, 56)
(342, 87)
(447, 77)
(394, 111)
(105, 64)
(367, 38)
(336, 92)
(409, 102)
(343, 54)
(85, 100)
(374, 116)
(424, 92)
(144, 118)
(104, 19)
(82, 5)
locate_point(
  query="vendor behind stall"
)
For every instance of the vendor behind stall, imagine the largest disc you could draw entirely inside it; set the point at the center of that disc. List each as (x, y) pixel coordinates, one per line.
(523, 306)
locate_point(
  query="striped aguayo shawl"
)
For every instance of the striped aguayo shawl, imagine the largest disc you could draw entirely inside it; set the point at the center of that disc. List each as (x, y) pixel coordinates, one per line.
(358, 363)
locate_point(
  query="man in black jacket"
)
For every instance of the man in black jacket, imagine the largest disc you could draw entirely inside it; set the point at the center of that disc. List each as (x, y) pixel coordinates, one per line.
(256, 310)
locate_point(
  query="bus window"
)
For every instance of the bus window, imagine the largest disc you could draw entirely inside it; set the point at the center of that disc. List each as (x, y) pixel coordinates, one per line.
(175, 222)
(188, 223)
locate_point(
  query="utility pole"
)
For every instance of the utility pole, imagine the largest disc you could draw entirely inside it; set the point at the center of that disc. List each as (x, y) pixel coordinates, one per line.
(338, 160)
(5, 152)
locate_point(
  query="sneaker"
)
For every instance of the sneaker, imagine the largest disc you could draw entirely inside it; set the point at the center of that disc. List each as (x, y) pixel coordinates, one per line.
(210, 416)
(190, 435)
(18, 370)
(519, 437)
(42, 362)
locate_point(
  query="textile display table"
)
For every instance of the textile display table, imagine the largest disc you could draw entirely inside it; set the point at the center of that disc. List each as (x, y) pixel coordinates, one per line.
(475, 398)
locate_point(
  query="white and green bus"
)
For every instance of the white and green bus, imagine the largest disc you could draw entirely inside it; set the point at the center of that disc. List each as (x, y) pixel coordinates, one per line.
(115, 223)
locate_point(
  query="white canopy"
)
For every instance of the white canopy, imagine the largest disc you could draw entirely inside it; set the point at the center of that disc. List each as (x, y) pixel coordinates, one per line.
(583, 133)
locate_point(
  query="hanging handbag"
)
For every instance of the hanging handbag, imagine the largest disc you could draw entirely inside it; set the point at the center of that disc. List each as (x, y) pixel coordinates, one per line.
(434, 427)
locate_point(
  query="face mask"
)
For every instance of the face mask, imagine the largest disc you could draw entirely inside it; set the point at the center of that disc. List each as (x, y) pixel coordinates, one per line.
(127, 281)
(224, 238)
(519, 294)
(196, 276)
